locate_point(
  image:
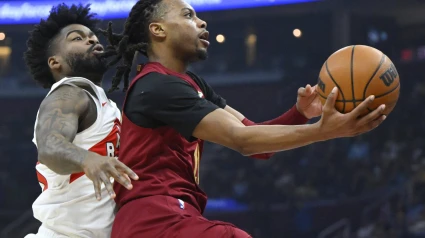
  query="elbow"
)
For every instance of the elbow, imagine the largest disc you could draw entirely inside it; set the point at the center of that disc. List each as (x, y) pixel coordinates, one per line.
(250, 153)
(47, 158)
(245, 152)
(44, 155)
(242, 143)
(246, 144)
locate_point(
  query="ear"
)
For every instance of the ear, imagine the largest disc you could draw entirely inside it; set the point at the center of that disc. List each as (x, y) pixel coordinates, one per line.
(54, 62)
(157, 30)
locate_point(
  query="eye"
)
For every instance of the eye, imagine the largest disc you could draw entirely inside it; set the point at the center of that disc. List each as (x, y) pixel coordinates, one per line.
(189, 14)
(77, 38)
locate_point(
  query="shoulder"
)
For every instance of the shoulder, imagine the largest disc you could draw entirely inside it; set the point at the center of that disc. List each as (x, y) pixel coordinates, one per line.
(153, 80)
(157, 84)
(199, 80)
(67, 98)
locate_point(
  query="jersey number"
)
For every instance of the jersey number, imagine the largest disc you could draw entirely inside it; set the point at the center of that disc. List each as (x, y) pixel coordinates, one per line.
(196, 158)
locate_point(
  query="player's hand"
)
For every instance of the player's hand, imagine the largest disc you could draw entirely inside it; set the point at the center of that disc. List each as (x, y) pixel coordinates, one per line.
(100, 169)
(308, 102)
(334, 124)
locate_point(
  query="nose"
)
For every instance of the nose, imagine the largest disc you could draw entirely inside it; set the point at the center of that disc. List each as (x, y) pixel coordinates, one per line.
(93, 41)
(202, 24)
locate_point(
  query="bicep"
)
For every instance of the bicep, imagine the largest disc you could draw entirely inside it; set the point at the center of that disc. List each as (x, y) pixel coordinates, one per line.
(60, 113)
(234, 112)
(220, 127)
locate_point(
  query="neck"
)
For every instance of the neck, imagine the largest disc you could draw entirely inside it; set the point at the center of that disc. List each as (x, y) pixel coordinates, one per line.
(94, 78)
(171, 63)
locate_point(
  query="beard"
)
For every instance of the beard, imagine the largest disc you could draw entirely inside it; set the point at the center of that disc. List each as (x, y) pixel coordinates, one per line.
(202, 54)
(87, 66)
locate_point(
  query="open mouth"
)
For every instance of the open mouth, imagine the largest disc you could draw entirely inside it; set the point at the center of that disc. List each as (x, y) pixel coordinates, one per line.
(204, 38)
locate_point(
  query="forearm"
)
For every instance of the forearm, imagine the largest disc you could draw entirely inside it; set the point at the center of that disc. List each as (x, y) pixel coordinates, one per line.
(61, 156)
(261, 139)
(291, 117)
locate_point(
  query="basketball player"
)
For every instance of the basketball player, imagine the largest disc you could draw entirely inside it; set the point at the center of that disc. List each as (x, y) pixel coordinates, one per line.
(77, 128)
(169, 112)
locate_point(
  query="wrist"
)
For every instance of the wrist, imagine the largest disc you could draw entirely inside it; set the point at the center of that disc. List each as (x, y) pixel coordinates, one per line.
(317, 132)
(85, 159)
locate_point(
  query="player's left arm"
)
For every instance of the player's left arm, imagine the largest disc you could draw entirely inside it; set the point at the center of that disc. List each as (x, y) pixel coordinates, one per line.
(291, 117)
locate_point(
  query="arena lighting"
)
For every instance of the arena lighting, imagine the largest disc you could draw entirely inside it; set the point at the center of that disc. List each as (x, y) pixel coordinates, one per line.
(220, 38)
(25, 12)
(5, 51)
(297, 33)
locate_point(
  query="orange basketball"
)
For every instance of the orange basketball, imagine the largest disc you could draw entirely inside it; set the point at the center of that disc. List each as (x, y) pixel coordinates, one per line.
(359, 71)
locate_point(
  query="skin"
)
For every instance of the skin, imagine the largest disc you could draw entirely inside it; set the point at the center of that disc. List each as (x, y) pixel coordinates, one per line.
(175, 43)
(69, 110)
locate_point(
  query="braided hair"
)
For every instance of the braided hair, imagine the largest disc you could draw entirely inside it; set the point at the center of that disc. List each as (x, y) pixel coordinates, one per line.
(135, 38)
(41, 41)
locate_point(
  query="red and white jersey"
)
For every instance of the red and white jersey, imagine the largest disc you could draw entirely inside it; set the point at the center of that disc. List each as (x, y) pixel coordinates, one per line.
(67, 204)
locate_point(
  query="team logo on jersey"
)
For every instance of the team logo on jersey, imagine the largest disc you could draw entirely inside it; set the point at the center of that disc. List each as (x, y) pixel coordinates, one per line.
(181, 203)
(200, 94)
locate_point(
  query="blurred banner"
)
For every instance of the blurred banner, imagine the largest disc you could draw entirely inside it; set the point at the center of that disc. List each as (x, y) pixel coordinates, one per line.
(23, 12)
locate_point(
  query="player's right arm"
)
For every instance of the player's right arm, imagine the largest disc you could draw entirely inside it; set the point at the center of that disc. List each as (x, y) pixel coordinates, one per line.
(57, 126)
(59, 118)
(177, 104)
(221, 127)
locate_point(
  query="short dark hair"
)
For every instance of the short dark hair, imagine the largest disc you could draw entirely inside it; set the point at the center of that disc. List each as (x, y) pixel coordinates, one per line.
(135, 38)
(43, 35)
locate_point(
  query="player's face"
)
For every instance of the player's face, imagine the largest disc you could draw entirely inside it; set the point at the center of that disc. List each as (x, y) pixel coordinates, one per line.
(185, 33)
(77, 53)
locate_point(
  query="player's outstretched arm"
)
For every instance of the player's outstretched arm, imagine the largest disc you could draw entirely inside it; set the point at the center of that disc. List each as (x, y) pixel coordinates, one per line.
(58, 120)
(291, 117)
(223, 128)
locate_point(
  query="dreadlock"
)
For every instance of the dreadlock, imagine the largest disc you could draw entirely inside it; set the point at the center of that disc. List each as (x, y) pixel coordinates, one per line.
(135, 38)
(40, 42)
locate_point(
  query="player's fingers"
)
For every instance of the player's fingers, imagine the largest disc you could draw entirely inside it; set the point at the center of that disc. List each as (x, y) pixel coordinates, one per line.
(378, 121)
(362, 107)
(372, 116)
(97, 190)
(123, 180)
(373, 124)
(124, 169)
(330, 101)
(308, 89)
(126, 177)
(108, 185)
(301, 92)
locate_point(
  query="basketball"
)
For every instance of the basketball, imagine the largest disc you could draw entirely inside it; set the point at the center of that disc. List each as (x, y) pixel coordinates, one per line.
(358, 72)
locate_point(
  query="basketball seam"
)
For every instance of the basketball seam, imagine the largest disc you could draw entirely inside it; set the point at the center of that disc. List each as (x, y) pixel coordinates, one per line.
(373, 75)
(392, 90)
(322, 96)
(352, 75)
(333, 80)
(327, 98)
(381, 95)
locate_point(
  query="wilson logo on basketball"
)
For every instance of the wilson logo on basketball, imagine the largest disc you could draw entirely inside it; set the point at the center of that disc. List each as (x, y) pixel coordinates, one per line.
(389, 75)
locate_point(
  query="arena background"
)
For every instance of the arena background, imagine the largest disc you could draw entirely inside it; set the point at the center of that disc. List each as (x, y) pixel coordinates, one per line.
(261, 52)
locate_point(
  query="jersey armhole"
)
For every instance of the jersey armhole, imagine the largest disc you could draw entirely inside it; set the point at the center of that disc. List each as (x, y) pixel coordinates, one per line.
(98, 109)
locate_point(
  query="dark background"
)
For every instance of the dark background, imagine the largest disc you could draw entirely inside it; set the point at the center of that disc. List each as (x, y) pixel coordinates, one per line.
(368, 186)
